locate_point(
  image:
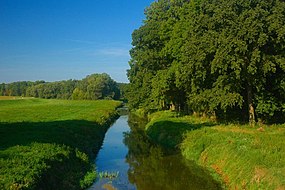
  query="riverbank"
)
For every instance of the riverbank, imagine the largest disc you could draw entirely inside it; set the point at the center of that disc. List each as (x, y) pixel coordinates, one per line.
(51, 144)
(240, 156)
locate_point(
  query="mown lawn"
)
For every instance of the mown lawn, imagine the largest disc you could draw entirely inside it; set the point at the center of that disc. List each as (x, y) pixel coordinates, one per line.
(241, 156)
(51, 144)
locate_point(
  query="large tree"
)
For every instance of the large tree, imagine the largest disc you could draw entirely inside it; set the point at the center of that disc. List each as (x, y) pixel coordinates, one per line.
(148, 55)
(245, 49)
(213, 55)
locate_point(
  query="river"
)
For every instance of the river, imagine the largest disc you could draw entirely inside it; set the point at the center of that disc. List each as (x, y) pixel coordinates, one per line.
(128, 160)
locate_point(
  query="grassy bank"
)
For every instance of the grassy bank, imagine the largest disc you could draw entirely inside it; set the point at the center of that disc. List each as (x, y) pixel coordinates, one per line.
(50, 144)
(240, 156)
(168, 128)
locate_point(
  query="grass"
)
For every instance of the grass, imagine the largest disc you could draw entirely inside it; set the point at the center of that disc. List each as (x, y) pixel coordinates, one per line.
(13, 97)
(168, 128)
(241, 156)
(51, 144)
(109, 175)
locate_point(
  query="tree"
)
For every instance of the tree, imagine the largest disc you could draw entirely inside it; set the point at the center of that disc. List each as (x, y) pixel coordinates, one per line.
(96, 86)
(246, 46)
(93, 87)
(78, 94)
(217, 56)
(148, 55)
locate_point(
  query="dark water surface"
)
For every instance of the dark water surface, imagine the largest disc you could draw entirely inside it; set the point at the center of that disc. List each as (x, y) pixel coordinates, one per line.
(143, 165)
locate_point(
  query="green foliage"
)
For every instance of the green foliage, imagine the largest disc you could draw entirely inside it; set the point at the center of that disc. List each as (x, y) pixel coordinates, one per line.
(93, 87)
(16, 88)
(109, 175)
(123, 87)
(52, 90)
(78, 94)
(88, 179)
(51, 144)
(211, 57)
(97, 86)
(36, 165)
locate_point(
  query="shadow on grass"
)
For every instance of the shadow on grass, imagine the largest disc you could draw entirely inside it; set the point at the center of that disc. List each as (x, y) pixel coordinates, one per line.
(170, 133)
(63, 173)
(83, 135)
(29, 146)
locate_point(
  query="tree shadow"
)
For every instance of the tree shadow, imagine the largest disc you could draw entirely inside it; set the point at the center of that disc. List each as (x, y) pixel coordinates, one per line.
(62, 170)
(80, 134)
(170, 133)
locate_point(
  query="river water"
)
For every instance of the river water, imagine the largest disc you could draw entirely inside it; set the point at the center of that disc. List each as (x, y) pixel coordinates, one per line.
(132, 161)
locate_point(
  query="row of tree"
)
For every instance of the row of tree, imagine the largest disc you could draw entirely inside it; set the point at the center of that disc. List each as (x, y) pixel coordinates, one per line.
(93, 87)
(217, 57)
(17, 88)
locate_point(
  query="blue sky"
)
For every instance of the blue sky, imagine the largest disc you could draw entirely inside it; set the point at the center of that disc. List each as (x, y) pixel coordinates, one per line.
(55, 40)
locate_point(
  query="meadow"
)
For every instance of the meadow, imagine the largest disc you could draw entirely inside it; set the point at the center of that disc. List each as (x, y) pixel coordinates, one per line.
(239, 156)
(51, 144)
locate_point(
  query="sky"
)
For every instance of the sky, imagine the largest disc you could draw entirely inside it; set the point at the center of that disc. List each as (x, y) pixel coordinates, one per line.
(56, 40)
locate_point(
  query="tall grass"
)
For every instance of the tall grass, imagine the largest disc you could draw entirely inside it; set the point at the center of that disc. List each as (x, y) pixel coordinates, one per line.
(241, 156)
(50, 144)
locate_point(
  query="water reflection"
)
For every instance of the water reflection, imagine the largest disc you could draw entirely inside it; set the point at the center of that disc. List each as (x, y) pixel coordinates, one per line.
(112, 159)
(142, 165)
(151, 167)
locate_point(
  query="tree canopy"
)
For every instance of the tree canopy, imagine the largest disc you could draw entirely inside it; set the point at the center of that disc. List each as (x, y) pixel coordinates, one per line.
(221, 57)
(93, 87)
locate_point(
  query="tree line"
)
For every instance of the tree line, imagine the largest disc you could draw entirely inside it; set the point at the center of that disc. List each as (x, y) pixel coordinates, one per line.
(224, 58)
(92, 87)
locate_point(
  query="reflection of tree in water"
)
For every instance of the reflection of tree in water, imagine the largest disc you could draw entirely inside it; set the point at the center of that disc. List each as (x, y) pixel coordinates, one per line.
(151, 169)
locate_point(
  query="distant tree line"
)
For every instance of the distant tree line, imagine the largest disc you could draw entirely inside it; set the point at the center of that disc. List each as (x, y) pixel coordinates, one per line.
(17, 88)
(215, 57)
(93, 87)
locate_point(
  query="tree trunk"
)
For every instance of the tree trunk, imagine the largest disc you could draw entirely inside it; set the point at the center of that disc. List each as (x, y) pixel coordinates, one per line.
(172, 106)
(251, 112)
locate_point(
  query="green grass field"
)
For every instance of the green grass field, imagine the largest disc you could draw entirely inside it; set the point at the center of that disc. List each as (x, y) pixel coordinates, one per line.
(51, 144)
(240, 156)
